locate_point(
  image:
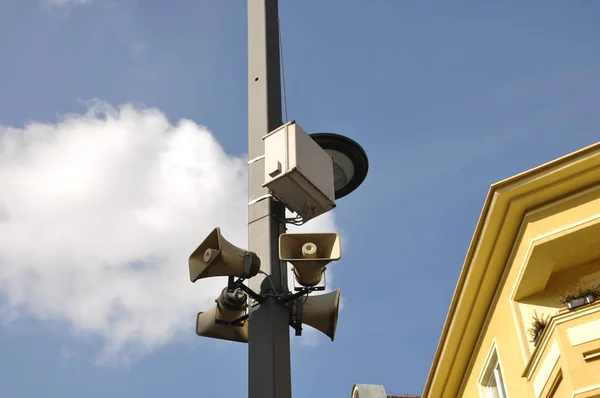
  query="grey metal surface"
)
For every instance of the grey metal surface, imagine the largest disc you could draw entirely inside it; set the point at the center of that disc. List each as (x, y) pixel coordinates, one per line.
(269, 345)
(368, 391)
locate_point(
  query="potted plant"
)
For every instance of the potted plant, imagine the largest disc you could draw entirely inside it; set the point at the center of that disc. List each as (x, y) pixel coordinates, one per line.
(537, 327)
(580, 295)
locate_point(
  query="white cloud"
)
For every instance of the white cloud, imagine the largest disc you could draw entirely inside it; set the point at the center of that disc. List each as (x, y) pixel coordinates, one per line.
(99, 213)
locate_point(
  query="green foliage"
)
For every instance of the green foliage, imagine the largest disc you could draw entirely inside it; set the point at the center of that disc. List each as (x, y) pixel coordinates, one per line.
(539, 323)
(579, 291)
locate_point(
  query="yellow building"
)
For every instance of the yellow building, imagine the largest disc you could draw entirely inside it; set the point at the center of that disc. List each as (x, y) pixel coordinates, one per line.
(538, 237)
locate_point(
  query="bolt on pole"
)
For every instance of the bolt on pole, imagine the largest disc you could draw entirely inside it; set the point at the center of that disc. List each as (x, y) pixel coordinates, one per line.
(269, 373)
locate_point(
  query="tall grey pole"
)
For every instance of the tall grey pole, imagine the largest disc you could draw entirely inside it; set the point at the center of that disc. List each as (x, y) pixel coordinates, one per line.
(269, 342)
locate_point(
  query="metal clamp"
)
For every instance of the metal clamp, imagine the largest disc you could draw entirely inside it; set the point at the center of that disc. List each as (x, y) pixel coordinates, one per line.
(235, 323)
(233, 284)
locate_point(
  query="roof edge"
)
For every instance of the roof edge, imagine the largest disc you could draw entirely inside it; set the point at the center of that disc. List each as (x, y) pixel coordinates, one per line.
(501, 189)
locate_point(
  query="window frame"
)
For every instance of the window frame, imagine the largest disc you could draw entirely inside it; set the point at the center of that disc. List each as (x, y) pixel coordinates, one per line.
(491, 381)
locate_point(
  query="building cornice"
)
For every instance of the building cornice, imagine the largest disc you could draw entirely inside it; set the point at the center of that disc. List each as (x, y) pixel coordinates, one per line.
(500, 221)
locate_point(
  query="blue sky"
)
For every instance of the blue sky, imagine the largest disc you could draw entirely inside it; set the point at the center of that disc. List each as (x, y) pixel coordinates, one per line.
(445, 98)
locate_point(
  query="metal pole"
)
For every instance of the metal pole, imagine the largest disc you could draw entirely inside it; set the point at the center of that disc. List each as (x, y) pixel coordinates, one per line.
(269, 373)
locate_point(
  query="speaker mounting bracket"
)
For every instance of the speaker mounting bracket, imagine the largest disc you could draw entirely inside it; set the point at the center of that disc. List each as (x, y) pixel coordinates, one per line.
(247, 264)
(301, 292)
(296, 321)
(233, 284)
(236, 322)
(313, 288)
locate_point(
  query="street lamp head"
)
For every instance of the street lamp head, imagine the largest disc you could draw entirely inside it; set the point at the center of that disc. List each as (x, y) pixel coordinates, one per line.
(350, 162)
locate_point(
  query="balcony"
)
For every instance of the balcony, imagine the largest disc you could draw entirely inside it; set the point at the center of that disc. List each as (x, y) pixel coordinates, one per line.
(566, 360)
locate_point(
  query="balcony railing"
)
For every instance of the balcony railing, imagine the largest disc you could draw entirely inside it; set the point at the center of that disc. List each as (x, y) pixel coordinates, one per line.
(568, 351)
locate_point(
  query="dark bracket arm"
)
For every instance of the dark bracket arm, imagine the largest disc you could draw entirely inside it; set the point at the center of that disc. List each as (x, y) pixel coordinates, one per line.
(302, 292)
(296, 322)
(236, 322)
(233, 284)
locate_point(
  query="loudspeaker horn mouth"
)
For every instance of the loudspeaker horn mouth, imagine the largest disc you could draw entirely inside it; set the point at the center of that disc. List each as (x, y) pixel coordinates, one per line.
(210, 255)
(309, 250)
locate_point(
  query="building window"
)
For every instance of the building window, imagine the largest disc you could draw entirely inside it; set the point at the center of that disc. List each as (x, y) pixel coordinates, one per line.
(492, 382)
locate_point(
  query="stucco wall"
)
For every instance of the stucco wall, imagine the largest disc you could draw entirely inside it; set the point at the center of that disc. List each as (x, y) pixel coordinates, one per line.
(508, 321)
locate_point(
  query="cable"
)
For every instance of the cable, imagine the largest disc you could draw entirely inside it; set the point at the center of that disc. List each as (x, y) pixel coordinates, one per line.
(272, 284)
(298, 220)
(282, 71)
(305, 298)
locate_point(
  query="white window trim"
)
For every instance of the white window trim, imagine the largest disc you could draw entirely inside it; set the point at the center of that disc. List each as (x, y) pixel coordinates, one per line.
(492, 371)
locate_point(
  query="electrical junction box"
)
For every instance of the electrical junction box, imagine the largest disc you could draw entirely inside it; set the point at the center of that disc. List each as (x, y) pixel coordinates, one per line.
(298, 171)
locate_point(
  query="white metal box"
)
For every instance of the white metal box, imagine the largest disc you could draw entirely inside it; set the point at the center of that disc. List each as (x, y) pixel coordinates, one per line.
(298, 171)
